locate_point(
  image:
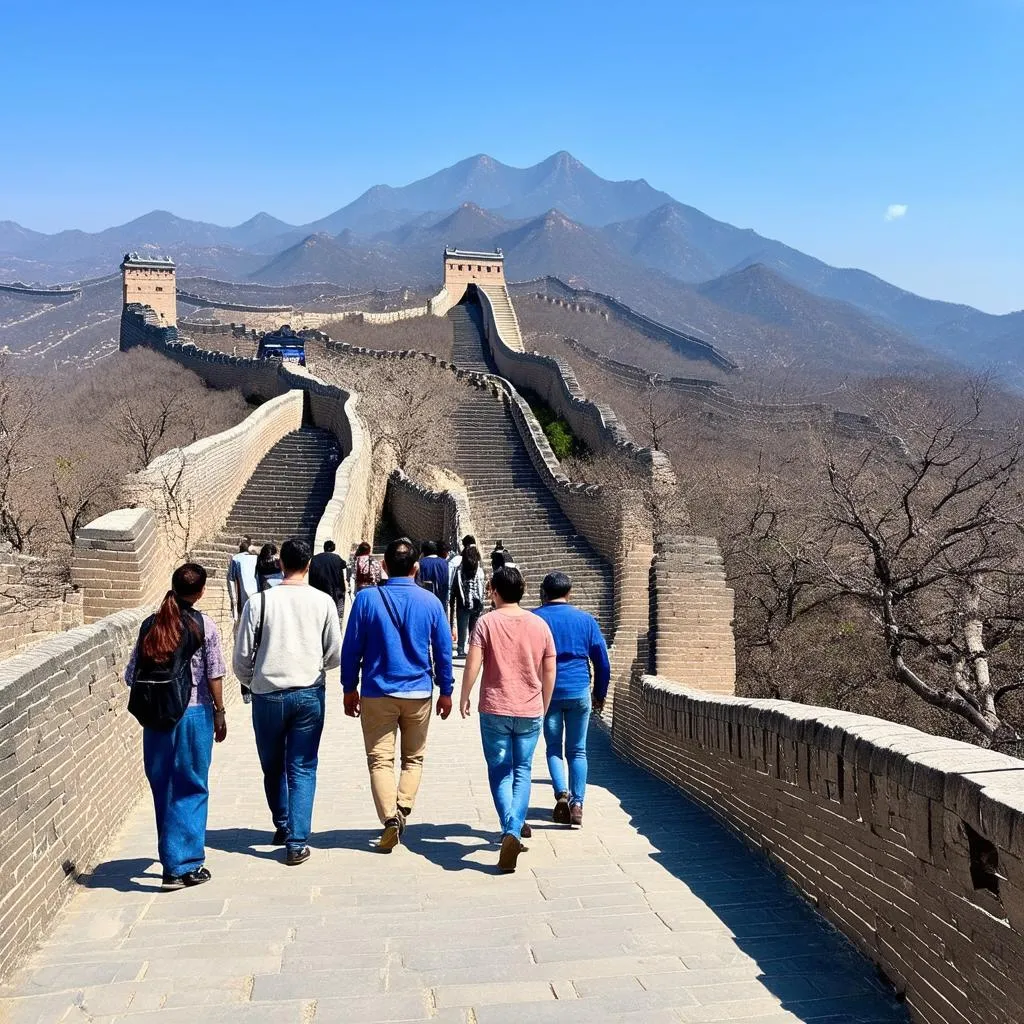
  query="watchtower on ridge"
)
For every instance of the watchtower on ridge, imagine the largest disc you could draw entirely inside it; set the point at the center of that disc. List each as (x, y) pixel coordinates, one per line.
(463, 268)
(152, 283)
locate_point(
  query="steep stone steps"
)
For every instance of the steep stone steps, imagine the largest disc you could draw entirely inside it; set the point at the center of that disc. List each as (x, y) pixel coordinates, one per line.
(285, 496)
(509, 501)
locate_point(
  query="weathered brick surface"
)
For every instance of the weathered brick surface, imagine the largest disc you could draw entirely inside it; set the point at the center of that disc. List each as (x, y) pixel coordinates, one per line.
(911, 844)
(70, 769)
(423, 514)
(33, 604)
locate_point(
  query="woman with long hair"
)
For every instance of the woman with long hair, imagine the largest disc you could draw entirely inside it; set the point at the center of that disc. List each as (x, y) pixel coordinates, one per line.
(177, 760)
(517, 653)
(468, 590)
(268, 567)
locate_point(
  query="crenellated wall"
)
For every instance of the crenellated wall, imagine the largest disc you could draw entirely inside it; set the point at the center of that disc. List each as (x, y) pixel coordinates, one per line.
(70, 770)
(911, 844)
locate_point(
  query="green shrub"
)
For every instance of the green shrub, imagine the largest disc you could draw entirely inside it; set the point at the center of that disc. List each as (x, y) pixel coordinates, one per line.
(561, 439)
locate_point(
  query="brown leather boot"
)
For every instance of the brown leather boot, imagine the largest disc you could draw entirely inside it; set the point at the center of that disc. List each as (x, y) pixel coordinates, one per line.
(576, 815)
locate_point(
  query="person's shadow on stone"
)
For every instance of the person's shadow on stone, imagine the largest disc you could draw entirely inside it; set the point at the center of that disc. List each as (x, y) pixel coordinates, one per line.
(450, 845)
(133, 874)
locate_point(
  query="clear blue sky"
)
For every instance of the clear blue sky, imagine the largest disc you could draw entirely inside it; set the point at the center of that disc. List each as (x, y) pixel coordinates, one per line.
(803, 119)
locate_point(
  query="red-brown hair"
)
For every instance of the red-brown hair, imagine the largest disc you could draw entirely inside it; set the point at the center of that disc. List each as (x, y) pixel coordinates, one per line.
(163, 637)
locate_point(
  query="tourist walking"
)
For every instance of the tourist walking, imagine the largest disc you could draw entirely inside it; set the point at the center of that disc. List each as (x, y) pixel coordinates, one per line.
(241, 577)
(517, 654)
(580, 647)
(288, 639)
(501, 556)
(268, 567)
(433, 572)
(327, 574)
(399, 640)
(365, 568)
(176, 671)
(469, 587)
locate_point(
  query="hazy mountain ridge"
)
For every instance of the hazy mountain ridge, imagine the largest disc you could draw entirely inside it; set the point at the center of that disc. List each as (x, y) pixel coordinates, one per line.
(560, 218)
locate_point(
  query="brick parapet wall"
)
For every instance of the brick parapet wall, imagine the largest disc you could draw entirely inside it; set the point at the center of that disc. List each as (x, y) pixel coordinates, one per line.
(425, 514)
(35, 601)
(911, 844)
(554, 381)
(692, 637)
(70, 770)
(125, 558)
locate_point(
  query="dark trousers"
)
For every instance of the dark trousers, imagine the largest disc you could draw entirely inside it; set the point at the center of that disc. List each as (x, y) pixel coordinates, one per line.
(288, 725)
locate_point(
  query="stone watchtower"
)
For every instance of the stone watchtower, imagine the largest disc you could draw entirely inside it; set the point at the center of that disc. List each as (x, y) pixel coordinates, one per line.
(463, 268)
(151, 282)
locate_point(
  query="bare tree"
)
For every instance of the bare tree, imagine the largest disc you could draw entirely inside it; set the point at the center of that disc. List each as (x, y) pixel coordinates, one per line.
(927, 538)
(20, 511)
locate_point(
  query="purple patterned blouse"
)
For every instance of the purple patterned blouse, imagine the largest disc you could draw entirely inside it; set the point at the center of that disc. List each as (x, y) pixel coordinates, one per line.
(207, 664)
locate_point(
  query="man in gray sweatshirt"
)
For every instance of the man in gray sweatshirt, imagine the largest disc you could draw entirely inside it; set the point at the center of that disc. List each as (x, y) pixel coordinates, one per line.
(288, 638)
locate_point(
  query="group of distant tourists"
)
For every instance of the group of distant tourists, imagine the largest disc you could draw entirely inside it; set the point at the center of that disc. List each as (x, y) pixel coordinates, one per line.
(541, 671)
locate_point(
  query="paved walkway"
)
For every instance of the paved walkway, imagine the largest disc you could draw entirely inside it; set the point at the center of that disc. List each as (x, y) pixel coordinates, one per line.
(651, 913)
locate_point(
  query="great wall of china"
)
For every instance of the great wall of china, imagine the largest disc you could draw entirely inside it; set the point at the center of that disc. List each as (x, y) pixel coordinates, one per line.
(911, 845)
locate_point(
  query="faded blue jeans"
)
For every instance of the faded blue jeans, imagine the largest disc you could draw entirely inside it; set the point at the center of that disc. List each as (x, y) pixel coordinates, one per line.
(509, 743)
(568, 718)
(288, 725)
(178, 769)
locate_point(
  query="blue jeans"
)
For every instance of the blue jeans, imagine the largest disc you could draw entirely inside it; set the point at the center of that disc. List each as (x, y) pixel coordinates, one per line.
(568, 718)
(178, 769)
(509, 744)
(288, 725)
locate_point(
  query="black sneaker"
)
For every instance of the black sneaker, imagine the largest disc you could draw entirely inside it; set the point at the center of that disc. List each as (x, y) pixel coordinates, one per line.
(185, 881)
(560, 815)
(280, 837)
(293, 857)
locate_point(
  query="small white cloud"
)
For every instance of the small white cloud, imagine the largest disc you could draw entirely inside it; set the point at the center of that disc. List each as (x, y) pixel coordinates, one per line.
(895, 210)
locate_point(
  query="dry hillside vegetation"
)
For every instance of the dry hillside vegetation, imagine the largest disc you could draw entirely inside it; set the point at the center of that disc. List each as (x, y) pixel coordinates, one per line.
(880, 572)
(67, 441)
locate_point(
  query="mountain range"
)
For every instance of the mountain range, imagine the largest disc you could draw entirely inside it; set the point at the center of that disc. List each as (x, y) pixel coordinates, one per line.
(559, 218)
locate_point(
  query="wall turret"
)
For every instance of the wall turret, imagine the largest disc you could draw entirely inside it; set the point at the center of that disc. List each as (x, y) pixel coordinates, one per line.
(151, 282)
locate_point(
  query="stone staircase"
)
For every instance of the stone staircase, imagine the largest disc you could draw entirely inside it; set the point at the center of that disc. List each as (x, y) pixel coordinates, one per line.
(504, 316)
(509, 501)
(285, 497)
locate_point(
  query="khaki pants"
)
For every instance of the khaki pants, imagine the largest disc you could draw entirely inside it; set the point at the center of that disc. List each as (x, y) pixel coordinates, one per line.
(382, 718)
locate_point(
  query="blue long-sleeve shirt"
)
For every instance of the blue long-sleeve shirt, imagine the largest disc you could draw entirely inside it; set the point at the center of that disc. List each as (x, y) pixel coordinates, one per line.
(578, 644)
(390, 666)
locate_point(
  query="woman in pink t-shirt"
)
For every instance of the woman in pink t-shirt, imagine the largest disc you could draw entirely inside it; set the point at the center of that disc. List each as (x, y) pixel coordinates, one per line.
(517, 653)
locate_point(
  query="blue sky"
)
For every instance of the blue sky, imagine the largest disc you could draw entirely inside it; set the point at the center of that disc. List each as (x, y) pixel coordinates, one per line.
(803, 120)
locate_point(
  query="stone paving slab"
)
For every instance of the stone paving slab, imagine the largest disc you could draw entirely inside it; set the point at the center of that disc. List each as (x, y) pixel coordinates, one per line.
(651, 913)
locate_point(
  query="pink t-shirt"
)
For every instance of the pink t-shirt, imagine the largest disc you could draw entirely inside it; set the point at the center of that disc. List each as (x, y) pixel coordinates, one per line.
(514, 649)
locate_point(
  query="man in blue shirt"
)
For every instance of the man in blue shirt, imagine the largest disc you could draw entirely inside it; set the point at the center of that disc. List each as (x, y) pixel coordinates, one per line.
(579, 645)
(433, 572)
(392, 632)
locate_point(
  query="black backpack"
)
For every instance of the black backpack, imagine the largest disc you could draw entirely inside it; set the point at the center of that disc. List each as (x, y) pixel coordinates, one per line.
(161, 691)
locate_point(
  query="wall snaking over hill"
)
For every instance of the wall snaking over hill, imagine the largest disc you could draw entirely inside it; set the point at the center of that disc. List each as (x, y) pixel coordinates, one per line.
(912, 845)
(554, 290)
(71, 770)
